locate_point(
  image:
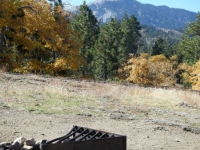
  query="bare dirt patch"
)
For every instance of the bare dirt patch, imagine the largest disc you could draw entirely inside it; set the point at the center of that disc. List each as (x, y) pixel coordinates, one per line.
(46, 108)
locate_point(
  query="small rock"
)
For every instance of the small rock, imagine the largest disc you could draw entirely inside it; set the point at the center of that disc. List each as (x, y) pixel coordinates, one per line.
(177, 140)
(187, 129)
(4, 144)
(30, 142)
(38, 144)
(20, 140)
(15, 146)
(192, 130)
(159, 128)
(86, 115)
(26, 147)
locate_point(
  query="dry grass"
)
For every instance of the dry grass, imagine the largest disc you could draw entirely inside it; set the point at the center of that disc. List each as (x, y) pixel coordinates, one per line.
(2, 71)
(131, 95)
(63, 96)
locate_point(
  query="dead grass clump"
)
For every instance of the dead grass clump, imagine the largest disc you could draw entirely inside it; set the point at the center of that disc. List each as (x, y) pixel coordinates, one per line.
(3, 69)
(191, 97)
(61, 95)
(147, 96)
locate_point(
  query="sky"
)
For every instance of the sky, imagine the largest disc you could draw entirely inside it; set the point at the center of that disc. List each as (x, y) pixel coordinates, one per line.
(191, 5)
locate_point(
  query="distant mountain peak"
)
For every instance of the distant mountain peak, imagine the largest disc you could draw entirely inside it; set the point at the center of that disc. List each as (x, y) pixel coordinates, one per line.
(102, 1)
(147, 14)
(105, 0)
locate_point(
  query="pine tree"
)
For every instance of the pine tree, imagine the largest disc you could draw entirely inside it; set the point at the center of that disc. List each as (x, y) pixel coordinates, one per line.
(159, 47)
(188, 49)
(131, 35)
(108, 51)
(86, 24)
(168, 48)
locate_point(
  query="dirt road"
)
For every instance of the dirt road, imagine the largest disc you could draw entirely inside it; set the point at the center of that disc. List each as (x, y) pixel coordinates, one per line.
(142, 134)
(147, 126)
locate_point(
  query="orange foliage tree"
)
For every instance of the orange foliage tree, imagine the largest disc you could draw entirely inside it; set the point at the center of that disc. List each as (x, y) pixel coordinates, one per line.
(191, 74)
(35, 35)
(155, 70)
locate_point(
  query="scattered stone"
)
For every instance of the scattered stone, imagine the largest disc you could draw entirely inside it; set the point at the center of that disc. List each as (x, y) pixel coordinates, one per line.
(177, 140)
(159, 128)
(85, 114)
(38, 144)
(30, 142)
(20, 140)
(183, 104)
(120, 115)
(26, 147)
(4, 144)
(18, 144)
(192, 130)
(6, 106)
(187, 129)
(15, 146)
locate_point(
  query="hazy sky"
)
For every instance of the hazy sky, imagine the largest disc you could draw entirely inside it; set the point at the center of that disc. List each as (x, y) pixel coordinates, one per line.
(191, 5)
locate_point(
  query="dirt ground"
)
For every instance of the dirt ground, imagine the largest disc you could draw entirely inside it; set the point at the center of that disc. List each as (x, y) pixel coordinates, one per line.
(141, 134)
(145, 132)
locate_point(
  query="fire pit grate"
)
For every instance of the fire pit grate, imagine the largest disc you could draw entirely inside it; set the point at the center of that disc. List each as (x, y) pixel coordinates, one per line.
(81, 138)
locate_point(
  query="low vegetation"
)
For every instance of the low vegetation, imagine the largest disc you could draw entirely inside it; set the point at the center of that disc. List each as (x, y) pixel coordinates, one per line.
(44, 94)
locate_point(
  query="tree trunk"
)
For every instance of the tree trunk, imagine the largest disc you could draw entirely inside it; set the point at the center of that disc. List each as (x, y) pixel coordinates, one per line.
(2, 33)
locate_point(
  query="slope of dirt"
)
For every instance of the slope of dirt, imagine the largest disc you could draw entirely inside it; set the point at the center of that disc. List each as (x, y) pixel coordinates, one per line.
(141, 134)
(152, 128)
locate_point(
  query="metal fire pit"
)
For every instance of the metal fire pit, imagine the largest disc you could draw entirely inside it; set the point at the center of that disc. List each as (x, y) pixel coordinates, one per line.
(80, 138)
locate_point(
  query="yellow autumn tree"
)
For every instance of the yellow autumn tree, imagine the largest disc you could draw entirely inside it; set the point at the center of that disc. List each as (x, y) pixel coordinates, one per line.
(155, 70)
(38, 27)
(9, 11)
(191, 74)
(42, 43)
(21, 23)
(67, 44)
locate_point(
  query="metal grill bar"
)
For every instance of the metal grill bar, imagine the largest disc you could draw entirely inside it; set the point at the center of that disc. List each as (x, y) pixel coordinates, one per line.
(81, 134)
(63, 137)
(97, 134)
(80, 138)
(87, 135)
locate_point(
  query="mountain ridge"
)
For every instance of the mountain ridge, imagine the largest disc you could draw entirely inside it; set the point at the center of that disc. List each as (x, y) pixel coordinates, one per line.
(147, 14)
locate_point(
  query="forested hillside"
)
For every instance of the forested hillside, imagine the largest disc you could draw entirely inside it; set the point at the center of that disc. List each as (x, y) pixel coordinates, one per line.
(147, 14)
(40, 38)
(150, 34)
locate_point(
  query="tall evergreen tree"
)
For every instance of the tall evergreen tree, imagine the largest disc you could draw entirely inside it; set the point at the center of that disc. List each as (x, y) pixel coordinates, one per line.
(168, 48)
(131, 35)
(88, 26)
(108, 51)
(188, 49)
(163, 46)
(159, 47)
